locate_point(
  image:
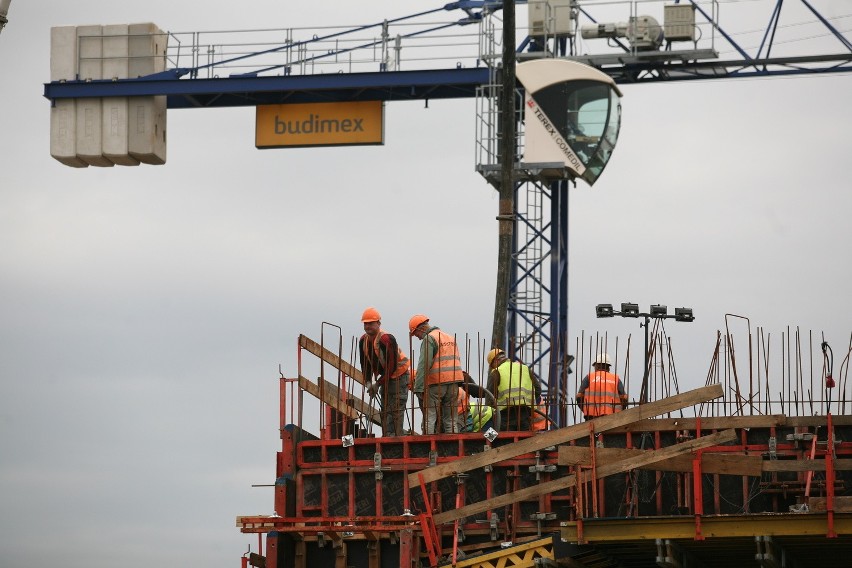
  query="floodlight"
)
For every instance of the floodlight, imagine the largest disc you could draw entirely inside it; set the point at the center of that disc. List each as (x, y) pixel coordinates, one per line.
(658, 311)
(684, 314)
(604, 310)
(629, 310)
(348, 440)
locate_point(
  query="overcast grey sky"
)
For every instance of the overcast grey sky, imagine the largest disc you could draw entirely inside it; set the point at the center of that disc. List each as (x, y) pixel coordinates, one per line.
(144, 311)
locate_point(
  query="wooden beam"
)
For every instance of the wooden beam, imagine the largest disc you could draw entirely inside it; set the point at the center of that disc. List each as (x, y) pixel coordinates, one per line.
(647, 457)
(709, 423)
(805, 465)
(507, 499)
(562, 435)
(722, 463)
(331, 396)
(332, 359)
(522, 554)
(842, 504)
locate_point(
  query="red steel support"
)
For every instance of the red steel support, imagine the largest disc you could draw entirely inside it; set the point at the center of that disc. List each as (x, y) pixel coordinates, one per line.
(456, 524)
(271, 551)
(593, 484)
(408, 553)
(427, 525)
(810, 474)
(829, 479)
(579, 504)
(697, 489)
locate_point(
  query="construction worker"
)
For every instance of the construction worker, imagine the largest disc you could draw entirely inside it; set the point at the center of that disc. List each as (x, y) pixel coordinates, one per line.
(515, 388)
(382, 359)
(479, 416)
(540, 419)
(438, 377)
(601, 392)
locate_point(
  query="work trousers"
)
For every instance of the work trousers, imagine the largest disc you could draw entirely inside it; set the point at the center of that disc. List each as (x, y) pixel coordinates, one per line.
(394, 399)
(516, 418)
(442, 405)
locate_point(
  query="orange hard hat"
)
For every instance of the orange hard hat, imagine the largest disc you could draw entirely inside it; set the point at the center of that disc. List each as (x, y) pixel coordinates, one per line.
(415, 322)
(493, 354)
(371, 314)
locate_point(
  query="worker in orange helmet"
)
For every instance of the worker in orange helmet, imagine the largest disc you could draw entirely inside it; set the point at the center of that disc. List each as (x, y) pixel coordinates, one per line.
(601, 392)
(383, 360)
(438, 376)
(515, 388)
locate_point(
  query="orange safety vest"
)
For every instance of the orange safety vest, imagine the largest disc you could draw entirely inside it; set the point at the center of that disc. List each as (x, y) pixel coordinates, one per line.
(464, 402)
(539, 422)
(446, 365)
(401, 359)
(601, 396)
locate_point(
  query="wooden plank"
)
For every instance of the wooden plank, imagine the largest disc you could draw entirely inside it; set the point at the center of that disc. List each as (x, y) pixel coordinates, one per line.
(709, 423)
(331, 396)
(507, 499)
(330, 358)
(534, 491)
(805, 465)
(544, 548)
(562, 435)
(653, 456)
(722, 463)
(842, 504)
(812, 421)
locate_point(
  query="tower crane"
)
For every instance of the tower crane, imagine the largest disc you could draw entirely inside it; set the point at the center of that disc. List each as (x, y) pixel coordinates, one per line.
(632, 42)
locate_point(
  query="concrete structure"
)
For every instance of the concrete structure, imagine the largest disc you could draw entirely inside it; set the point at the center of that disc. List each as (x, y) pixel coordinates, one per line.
(111, 130)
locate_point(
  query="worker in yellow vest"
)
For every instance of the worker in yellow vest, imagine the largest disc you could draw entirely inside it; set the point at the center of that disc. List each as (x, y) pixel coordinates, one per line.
(383, 360)
(601, 392)
(480, 416)
(438, 376)
(515, 389)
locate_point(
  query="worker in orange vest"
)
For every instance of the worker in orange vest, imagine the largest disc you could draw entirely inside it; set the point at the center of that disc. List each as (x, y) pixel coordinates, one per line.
(382, 359)
(438, 376)
(540, 419)
(601, 392)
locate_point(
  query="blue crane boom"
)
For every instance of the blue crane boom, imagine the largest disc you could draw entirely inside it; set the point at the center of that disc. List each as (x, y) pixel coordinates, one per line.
(346, 64)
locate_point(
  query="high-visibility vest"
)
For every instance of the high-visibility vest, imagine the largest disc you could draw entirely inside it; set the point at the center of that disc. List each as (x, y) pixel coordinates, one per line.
(401, 359)
(446, 365)
(601, 396)
(464, 402)
(539, 421)
(479, 415)
(516, 386)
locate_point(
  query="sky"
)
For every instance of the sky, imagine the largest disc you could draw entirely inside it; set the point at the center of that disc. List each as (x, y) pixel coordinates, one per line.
(145, 311)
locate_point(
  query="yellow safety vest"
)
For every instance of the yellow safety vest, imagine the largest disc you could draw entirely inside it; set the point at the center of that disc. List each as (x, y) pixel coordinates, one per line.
(516, 386)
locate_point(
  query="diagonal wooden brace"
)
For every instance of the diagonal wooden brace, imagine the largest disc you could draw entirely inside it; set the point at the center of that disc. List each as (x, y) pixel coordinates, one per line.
(562, 435)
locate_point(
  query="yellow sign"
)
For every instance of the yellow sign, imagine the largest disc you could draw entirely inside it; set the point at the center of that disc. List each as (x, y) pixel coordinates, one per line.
(319, 124)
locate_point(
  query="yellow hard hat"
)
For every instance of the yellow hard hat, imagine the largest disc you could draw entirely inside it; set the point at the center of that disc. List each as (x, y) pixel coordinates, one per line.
(415, 321)
(371, 314)
(493, 355)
